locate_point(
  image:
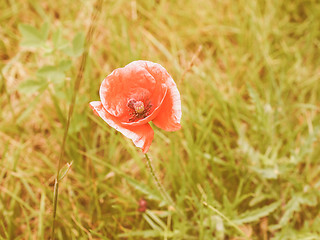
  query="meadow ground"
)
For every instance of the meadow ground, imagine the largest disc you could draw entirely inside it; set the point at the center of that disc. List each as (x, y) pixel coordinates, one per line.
(245, 164)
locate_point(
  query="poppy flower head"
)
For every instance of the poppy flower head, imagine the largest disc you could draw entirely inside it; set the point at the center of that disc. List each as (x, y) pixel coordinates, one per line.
(136, 94)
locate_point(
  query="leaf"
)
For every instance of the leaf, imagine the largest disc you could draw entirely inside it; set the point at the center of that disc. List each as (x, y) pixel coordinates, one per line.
(148, 234)
(3, 50)
(143, 189)
(267, 173)
(51, 73)
(78, 44)
(32, 37)
(31, 86)
(151, 223)
(31, 105)
(78, 122)
(254, 215)
(65, 65)
(77, 47)
(58, 41)
(64, 170)
(294, 205)
(44, 31)
(309, 199)
(156, 219)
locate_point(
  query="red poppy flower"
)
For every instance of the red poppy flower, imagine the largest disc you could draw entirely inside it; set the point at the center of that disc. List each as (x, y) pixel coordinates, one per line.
(136, 94)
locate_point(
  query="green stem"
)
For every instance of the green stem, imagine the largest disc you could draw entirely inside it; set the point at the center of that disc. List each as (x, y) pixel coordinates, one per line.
(71, 108)
(158, 183)
(55, 200)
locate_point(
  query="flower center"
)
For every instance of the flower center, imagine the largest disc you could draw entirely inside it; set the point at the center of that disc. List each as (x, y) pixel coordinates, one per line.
(138, 107)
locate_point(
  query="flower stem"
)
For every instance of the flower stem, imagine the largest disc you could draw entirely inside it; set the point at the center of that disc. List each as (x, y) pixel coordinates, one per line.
(163, 192)
(94, 17)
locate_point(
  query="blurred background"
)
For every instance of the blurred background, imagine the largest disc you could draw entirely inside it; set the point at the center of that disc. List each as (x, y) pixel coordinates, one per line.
(245, 164)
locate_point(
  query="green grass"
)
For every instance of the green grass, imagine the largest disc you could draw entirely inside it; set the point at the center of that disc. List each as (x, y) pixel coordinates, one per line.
(246, 161)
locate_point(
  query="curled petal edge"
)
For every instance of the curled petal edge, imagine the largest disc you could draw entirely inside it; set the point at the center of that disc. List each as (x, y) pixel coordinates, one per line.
(169, 116)
(141, 135)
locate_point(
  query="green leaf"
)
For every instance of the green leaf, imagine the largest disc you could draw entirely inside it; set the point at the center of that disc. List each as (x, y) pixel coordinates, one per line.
(32, 37)
(58, 41)
(78, 122)
(309, 199)
(254, 215)
(31, 86)
(267, 173)
(156, 219)
(143, 189)
(292, 206)
(51, 73)
(78, 44)
(64, 170)
(152, 224)
(65, 65)
(3, 50)
(45, 31)
(31, 106)
(148, 234)
(77, 47)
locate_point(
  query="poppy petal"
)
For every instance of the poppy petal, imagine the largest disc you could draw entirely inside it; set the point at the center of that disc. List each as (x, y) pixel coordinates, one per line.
(141, 136)
(169, 115)
(122, 85)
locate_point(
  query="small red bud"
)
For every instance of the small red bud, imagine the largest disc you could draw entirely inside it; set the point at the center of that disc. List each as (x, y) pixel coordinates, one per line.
(142, 205)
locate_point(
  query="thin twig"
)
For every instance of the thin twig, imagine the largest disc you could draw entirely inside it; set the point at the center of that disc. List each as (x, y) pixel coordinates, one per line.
(84, 56)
